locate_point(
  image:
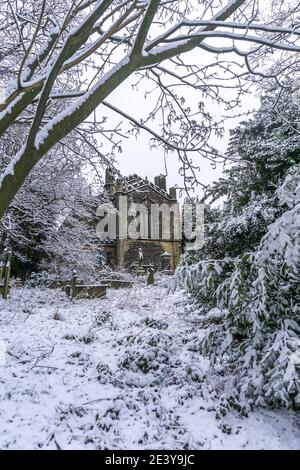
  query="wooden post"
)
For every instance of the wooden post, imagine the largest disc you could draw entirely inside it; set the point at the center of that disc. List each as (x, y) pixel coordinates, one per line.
(150, 277)
(5, 267)
(74, 285)
(2, 264)
(7, 274)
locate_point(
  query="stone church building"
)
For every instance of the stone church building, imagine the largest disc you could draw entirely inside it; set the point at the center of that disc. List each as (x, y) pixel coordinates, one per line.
(163, 253)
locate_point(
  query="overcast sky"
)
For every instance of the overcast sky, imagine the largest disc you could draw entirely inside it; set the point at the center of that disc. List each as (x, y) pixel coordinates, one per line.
(137, 157)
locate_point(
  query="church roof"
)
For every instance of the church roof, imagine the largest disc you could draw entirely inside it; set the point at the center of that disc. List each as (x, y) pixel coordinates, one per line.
(137, 183)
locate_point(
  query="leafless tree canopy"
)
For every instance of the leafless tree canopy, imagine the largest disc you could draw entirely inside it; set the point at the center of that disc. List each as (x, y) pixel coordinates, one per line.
(61, 59)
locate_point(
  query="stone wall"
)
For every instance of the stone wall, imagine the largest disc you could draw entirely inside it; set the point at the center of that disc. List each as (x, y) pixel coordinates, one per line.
(128, 252)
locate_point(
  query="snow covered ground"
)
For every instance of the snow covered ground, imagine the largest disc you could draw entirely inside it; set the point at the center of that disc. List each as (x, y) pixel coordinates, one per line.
(122, 372)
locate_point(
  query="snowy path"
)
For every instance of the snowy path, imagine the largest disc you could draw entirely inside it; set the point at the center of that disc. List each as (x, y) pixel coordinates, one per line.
(118, 373)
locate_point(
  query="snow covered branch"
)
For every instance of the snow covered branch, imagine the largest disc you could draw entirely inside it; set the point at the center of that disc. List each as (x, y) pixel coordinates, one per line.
(64, 70)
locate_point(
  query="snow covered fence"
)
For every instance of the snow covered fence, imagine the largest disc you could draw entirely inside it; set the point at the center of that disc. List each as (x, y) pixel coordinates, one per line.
(80, 291)
(86, 292)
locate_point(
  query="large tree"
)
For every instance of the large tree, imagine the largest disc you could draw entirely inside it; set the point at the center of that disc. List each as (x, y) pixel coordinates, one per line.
(62, 59)
(51, 222)
(265, 147)
(247, 279)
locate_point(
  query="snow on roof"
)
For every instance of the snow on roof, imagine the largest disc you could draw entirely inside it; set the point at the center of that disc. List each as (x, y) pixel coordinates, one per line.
(166, 254)
(137, 182)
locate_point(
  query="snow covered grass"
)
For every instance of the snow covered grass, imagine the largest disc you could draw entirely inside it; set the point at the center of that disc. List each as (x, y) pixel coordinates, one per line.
(122, 372)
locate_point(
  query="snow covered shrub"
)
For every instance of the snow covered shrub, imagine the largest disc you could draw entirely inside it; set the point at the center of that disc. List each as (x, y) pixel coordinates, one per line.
(79, 358)
(148, 353)
(103, 318)
(40, 279)
(195, 374)
(104, 373)
(88, 338)
(265, 148)
(157, 324)
(249, 293)
(110, 417)
(255, 342)
(209, 276)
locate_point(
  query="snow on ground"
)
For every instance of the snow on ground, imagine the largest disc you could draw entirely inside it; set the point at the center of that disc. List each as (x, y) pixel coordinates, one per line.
(122, 372)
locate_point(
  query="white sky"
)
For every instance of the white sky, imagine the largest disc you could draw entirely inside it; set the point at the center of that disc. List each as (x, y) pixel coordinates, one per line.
(138, 157)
